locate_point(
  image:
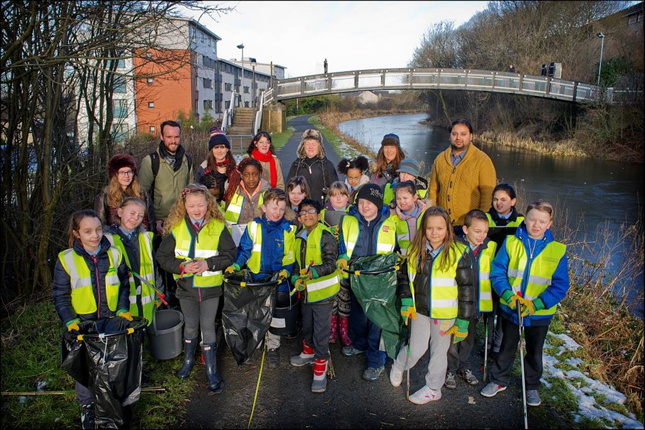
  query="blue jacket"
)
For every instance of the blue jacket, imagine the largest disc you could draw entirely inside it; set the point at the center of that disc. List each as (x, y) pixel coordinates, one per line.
(550, 297)
(367, 234)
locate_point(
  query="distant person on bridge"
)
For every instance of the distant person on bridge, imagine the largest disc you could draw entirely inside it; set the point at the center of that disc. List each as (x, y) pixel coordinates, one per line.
(312, 163)
(388, 160)
(262, 150)
(463, 177)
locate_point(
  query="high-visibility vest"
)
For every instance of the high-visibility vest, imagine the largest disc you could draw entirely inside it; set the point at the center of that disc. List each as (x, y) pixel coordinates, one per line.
(402, 233)
(486, 256)
(234, 208)
(206, 246)
(326, 286)
(389, 195)
(515, 223)
(532, 277)
(386, 237)
(444, 293)
(255, 232)
(146, 271)
(83, 300)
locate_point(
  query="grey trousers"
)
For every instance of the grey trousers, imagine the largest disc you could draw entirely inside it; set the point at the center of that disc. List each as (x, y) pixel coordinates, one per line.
(424, 330)
(200, 314)
(316, 324)
(273, 340)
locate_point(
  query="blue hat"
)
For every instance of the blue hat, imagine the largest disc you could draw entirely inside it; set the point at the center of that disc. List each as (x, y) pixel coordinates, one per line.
(218, 139)
(391, 139)
(409, 165)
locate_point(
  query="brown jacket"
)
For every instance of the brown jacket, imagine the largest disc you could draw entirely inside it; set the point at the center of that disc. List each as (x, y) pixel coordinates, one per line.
(468, 186)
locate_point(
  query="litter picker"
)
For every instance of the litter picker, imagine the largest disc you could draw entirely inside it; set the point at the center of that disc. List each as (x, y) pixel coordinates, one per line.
(520, 320)
(149, 285)
(486, 346)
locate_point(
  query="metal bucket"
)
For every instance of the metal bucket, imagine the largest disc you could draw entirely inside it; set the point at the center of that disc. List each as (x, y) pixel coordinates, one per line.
(166, 334)
(285, 314)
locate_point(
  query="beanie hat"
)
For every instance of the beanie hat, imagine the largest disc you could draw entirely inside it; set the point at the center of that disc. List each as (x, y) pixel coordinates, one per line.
(215, 130)
(409, 165)
(218, 139)
(372, 193)
(120, 161)
(391, 139)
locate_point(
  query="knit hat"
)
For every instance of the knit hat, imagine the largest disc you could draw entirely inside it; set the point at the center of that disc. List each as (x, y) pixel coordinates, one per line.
(119, 161)
(218, 139)
(372, 193)
(391, 139)
(409, 165)
(216, 130)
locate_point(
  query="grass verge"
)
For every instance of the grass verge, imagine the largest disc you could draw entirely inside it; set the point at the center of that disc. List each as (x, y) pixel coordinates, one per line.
(337, 140)
(280, 139)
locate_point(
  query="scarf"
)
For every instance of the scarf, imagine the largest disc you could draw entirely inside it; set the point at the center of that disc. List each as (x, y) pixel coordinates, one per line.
(173, 160)
(267, 158)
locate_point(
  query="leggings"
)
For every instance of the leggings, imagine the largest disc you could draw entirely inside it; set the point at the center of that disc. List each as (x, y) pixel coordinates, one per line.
(198, 314)
(342, 303)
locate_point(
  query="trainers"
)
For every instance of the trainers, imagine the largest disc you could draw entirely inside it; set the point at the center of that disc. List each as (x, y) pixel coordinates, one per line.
(451, 382)
(372, 373)
(533, 398)
(396, 377)
(350, 350)
(273, 355)
(87, 416)
(425, 395)
(468, 376)
(491, 389)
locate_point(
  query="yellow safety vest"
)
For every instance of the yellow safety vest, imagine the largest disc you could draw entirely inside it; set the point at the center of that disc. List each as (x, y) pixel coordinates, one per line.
(325, 286)
(206, 246)
(402, 233)
(255, 232)
(83, 300)
(515, 223)
(234, 208)
(541, 269)
(486, 256)
(444, 293)
(146, 271)
(388, 194)
(386, 238)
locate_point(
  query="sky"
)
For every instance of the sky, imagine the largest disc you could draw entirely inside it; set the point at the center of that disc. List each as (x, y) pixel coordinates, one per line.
(351, 35)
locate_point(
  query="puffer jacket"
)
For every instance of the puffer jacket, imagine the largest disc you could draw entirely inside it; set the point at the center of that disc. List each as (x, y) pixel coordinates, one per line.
(328, 252)
(320, 173)
(98, 265)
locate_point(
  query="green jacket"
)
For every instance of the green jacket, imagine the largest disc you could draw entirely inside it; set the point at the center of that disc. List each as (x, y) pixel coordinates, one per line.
(168, 184)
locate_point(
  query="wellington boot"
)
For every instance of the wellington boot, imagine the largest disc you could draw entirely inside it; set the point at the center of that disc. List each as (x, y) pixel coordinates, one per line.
(344, 331)
(215, 383)
(305, 357)
(333, 335)
(319, 384)
(190, 345)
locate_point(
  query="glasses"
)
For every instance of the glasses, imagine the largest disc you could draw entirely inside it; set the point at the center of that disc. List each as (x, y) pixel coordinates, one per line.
(311, 211)
(128, 173)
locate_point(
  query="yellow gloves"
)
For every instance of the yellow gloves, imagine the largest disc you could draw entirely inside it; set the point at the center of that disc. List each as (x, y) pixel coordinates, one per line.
(342, 264)
(300, 285)
(73, 326)
(126, 315)
(460, 330)
(529, 307)
(283, 274)
(232, 268)
(511, 299)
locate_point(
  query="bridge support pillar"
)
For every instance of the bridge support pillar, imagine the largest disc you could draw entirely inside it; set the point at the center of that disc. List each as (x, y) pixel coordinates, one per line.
(274, 118)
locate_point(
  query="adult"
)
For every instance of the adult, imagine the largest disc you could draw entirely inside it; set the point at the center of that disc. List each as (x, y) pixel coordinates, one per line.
(261, 149)
(166, 172)
(463, 176)
(219, 172)
(388, 160)
(312, 163)
(123, 182)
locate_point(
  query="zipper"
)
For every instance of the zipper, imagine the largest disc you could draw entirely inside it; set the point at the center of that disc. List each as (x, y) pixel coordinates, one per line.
(98, 286)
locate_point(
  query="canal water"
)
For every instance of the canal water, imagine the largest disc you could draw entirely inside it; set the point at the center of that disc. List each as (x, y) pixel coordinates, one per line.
(601, 193)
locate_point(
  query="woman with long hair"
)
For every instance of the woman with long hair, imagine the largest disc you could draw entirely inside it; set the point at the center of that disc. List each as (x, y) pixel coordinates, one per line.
(219, 172)
(388, 160)
(261, 149)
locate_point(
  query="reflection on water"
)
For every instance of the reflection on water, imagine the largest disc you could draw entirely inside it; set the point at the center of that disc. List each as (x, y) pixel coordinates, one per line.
(601, 191)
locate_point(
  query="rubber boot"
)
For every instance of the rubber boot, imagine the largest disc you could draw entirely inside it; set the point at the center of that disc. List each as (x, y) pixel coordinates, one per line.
(190, 345)
(319, 384)
(344, 331)
(333, 335)
(305, 357)
(215, 383)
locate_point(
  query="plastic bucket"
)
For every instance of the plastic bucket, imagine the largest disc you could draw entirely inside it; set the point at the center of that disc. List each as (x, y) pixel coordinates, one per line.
(166, 334)
(285, 315)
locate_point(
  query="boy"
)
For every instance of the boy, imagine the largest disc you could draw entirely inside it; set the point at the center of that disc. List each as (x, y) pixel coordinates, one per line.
(531, 271)
(267, 246)
(367, 231)
(408, 171)
(315, 275)
(483, 251)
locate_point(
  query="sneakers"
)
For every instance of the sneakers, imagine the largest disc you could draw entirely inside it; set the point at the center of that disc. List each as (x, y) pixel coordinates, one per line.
(396, 377)
(87, 416)
(305, 357)
(533, 398)
(491, 389)
(273, 355)
(451, 382)
(350, 350)
(425, 395)
(468, 376)
(372, 373)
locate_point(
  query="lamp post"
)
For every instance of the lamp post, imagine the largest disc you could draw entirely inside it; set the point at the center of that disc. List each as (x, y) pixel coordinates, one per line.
(253, 64)
(241, 46)
(602, 42)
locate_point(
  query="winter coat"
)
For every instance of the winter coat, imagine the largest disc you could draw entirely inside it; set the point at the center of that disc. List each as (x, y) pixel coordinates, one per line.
(354, 191)
(215, 181)
(266, 171)
(167, 261)
(328, 252)
(498, 235)
(98, 266)
(107, 215)
(320, 173)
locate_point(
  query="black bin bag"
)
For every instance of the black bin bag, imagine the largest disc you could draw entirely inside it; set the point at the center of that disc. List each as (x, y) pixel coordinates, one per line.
(105, 356)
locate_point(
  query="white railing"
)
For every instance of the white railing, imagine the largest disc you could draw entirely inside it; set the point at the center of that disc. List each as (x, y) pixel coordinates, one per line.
(227, 119)
(258, 115)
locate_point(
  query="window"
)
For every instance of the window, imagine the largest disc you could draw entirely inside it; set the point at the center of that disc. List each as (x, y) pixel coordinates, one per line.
(246, 104)
(227, 105)
(119, 85)
(148, 55)
(208, 83)
(208, 105)
(120, 132)
(246, 90)
(150, 81)
(120, 108)
(152, 129)
(121, 64)
(228, 87)
(151, 105)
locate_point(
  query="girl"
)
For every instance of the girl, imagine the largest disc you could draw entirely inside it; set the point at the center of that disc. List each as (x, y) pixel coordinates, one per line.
(248, 195)
(408, 171)
(90, 283)
(441, 299)
(261, 149)
(218, 172)
(123, 182)
(196, 249)
(339, 197)
(406, 213)
(354, 170)
(297, 191)
(388, 160)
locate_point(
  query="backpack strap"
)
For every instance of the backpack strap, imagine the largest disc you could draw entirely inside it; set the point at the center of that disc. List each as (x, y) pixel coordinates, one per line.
(154, 160)
(189, 163)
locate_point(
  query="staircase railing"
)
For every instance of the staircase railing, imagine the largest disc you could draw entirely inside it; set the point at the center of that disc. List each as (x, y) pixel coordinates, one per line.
(257, 122)
(227, 119)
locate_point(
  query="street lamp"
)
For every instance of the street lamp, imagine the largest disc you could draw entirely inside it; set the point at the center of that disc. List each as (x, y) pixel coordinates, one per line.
(602, 42)
(241, 46)
(253, 64)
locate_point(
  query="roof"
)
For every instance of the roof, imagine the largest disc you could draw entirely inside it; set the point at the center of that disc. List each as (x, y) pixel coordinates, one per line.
(239, 67)
(204, 29)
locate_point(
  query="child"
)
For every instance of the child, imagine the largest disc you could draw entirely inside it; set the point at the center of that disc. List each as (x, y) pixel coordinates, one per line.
(315, 274)
(90, 283)
(367, 231)
(195, 249)
(408, 171)
(297, 190)
(482, 253)
(267, 246)
(530, 271)
(355, 170)
(339, 197)
(135, 244)
(442, 298)
(248, 196)
(406, 213)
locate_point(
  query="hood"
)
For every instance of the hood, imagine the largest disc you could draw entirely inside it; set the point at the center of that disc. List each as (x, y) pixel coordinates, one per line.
(522, 234)
(405, 217)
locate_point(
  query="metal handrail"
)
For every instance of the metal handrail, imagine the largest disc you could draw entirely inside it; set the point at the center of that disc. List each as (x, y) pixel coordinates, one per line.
(258, 115)
(227, 118)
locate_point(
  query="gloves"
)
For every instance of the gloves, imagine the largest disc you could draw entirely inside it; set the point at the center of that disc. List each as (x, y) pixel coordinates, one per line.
(157, 304)
(529, 307)
(511, 299)
(460, 330)
(407, 309)
(233, 268)
(73, 325)
(335, 231)
(283, 274)
(300, 285)
(342, 263)
(312, 274)
(125, 314)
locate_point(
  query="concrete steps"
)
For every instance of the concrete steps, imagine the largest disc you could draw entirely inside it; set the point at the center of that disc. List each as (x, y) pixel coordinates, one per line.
(242, 121)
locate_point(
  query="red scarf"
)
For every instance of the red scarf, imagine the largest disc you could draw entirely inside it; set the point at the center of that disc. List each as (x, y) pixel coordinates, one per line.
(267, 158)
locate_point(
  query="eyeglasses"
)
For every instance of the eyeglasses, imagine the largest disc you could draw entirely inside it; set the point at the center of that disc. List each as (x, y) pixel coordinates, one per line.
(128, 173)
(311, 211)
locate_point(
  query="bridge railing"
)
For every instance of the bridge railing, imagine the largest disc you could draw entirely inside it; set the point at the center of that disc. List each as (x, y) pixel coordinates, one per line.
(418, 79)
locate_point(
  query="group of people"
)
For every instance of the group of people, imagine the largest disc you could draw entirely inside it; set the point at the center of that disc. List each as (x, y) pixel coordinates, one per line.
(467, 251)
